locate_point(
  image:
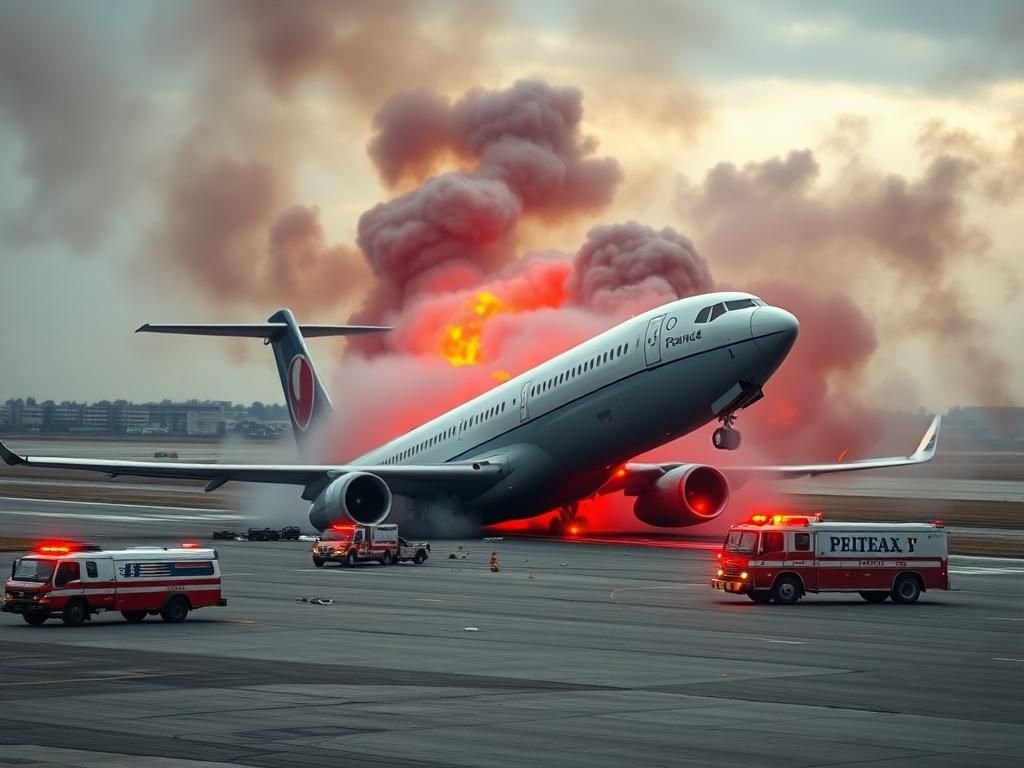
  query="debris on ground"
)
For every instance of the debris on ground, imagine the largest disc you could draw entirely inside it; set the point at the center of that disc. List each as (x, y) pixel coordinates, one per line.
(459, 554)
(288, 533)
(315, 600)
(493, 538)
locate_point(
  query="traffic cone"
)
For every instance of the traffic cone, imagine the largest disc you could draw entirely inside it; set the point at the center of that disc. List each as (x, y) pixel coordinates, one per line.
(494, 562)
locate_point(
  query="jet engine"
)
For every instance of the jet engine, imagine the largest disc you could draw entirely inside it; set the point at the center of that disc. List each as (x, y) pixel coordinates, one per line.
(358, 497)
(686, 495)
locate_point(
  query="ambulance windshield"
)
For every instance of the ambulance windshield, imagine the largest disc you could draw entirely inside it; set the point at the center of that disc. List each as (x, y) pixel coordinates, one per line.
(741, 541)
(341, 534)
(34, 570)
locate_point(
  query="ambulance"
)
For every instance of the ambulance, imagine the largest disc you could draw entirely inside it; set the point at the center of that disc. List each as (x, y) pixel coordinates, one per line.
(349, 544)
(73, 582)
(781, 558)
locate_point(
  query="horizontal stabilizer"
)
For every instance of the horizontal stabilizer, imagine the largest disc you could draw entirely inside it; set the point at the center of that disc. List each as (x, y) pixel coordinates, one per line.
(269, 331)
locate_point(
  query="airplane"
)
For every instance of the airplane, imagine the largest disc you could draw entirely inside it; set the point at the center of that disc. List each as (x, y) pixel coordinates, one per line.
(561, 432)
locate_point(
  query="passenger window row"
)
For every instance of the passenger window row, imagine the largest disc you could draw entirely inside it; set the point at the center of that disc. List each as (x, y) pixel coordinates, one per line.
(578, 370)
(708, 314)
(447, 434)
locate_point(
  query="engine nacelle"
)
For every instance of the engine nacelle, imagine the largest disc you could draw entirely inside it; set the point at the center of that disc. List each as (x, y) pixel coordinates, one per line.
(359, 497)
(687, 495)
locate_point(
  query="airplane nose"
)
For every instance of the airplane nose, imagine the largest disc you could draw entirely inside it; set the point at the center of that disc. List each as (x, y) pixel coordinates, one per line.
(774, 330)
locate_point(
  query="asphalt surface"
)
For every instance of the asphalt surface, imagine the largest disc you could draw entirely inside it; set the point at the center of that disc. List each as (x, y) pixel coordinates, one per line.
(573, 654)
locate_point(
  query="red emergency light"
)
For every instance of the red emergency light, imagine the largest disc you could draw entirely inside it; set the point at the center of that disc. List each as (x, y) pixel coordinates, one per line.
(64, 547)
(189, 545)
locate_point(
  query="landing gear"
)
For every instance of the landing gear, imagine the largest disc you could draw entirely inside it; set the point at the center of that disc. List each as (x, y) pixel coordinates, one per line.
(567, 522)
(725, 438)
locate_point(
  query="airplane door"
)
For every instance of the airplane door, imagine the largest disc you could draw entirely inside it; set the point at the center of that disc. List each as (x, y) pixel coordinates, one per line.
(652, 346)
(524, 408)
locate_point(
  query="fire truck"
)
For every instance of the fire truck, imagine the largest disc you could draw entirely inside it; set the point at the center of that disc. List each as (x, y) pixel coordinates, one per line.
(781, 558)
(349, 544)
(74, 582)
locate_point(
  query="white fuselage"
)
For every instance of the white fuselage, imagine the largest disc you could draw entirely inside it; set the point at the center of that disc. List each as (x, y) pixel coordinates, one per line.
(568, 421)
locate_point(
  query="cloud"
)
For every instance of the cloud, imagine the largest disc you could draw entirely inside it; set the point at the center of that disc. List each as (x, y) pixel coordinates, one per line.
(79, 123)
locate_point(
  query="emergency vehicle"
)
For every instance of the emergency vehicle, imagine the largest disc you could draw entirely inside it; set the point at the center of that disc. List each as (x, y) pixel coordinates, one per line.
(349, 544)
(781, 558)
(73, 582)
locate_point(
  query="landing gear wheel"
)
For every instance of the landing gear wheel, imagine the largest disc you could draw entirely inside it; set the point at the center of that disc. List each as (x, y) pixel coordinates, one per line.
(134, 616)
(906, 589)
(874, 597)
(75, 614)
(35, 619)
(761, 596)
(566, 521)
(726, 439)
(176, 610)
(786, 590)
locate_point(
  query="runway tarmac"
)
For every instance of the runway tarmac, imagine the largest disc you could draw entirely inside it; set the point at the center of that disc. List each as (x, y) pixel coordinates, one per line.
(608, 655)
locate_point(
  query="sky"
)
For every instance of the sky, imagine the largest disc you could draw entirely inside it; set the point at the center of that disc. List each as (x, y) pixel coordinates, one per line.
(861, 163)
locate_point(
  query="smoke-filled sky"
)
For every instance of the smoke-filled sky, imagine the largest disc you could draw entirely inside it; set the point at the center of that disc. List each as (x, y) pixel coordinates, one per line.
(499, 180)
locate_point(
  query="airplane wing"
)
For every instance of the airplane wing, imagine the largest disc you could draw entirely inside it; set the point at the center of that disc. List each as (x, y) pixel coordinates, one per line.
(402, 479)
(634, 474)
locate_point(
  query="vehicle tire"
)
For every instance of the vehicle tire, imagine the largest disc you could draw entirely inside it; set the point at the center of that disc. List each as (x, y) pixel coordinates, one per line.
(35, 619)
(133, 616)
(350, 559)
(319, 563)
(176, 610)
(786, 590)
(387, 559)
(874, 597)
(760, 596)
(75, 613)
(906, 589)
(421, 556)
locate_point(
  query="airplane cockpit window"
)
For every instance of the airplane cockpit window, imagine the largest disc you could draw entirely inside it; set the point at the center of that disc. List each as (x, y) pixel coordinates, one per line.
(702, 316)
(740, 304)
(717, 311)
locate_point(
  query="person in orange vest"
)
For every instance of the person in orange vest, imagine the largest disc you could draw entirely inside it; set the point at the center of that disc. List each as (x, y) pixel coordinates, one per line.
(494, 562)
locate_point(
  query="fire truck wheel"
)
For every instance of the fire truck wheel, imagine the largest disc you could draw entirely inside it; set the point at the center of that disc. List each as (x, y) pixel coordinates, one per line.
(761, 597)
(176, 610)
(874, 597)
(133, 616)
(906, 589)
(318, 562)
(35, 619)
(786, 590)
(386, 560)
(420, 557)
(75, 613)
(350, 559)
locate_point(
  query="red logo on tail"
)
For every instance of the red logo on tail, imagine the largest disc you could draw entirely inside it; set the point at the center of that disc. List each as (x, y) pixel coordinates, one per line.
(300, 391)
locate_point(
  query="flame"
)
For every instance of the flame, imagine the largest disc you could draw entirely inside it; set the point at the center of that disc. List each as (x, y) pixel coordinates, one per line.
(501, 376)
(461, 343)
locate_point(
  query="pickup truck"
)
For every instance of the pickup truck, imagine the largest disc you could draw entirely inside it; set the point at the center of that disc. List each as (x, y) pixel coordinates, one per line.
(417, 552)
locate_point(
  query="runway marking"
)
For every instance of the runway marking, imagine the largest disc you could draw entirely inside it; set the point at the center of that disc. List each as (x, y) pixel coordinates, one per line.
(92, 679)
(1003, 658)
(786, 642)
(109, 504)
(1004, 618)
(428, 600)
(122, 518)
(984, 571)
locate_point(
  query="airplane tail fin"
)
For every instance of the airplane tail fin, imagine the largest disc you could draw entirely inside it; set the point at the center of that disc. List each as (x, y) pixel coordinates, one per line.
(304, 392)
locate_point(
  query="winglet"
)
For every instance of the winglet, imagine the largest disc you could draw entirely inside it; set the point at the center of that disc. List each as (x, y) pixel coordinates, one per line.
(9, 456)
(926, 449)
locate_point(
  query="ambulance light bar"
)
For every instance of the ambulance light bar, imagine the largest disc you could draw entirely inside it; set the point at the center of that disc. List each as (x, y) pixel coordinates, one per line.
(65, 547)
(800, 520)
